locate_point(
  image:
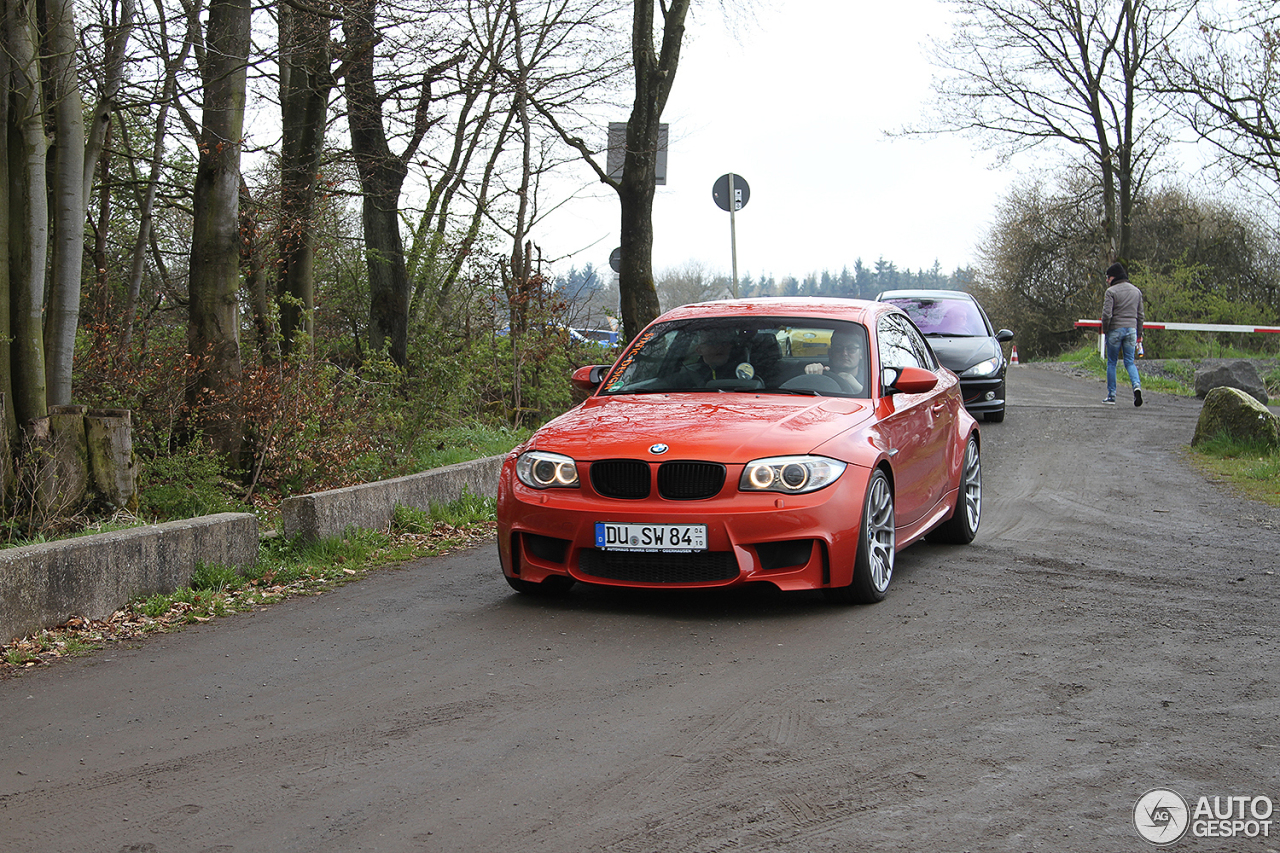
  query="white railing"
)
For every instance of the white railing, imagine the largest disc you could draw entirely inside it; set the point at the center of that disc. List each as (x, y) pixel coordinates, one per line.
(1176, 327)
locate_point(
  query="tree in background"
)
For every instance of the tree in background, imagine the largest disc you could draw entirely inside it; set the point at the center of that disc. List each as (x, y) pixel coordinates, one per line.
(28, 213)
(66, 195)
(1195, 261)
(213, 331)
(306, 81)
(1021, 74)
(654, 65)
(689, 283)
(1226, 84)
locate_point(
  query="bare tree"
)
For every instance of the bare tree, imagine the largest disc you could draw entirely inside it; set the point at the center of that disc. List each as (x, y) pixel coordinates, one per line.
(692, 282)
(28, 226)
(213, 336)
(1226, 83)
(306, 80)
(67, 198)
(382, 172)
(655, 64)
(1077, 73)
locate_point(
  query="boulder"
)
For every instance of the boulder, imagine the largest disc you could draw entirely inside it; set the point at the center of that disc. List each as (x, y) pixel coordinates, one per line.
(1232, 412)
(1231, 374)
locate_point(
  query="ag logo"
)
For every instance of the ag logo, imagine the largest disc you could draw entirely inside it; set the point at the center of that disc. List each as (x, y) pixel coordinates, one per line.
(1161, 816)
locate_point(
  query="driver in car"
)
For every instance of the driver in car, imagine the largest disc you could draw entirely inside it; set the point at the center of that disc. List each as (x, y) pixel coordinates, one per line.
(845, 355)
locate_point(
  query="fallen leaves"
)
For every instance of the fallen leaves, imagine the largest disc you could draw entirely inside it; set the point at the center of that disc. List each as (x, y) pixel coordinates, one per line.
(79, 636)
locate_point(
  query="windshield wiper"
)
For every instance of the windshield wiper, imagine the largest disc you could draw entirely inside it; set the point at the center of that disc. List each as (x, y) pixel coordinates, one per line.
(802, 392)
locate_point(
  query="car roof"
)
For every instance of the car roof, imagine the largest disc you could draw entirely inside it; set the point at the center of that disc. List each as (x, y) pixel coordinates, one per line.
(926, 294)
(833, 308)
(932, 295)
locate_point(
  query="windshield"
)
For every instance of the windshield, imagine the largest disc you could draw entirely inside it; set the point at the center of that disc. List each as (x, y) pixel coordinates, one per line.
(943, 316)
(780, 355)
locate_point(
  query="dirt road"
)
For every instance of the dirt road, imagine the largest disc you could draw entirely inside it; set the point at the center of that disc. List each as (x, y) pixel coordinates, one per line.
(1112, 630)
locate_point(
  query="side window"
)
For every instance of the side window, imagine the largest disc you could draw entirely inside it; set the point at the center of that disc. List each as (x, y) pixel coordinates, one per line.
(924, 355)
(900, 344)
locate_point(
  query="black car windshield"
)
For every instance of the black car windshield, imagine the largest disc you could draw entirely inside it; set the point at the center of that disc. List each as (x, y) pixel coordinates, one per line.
(944, 317)
(779, 355)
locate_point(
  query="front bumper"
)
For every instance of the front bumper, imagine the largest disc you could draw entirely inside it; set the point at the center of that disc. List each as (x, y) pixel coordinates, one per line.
(791, 541)
(983, 395)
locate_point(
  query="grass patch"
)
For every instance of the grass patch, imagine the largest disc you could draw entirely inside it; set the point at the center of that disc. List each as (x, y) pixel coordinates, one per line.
(1252, 469)
(441, 447)
(1177, 378)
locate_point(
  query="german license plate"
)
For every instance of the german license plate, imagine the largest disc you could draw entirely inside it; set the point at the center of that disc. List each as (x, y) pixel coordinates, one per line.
(622, 536)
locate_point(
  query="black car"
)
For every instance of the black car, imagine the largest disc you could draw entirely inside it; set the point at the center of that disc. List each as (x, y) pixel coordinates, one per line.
(965, 342)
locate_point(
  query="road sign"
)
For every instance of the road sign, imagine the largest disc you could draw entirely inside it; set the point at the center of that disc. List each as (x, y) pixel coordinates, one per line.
(721, 192)
(615, 259)
(617, 154)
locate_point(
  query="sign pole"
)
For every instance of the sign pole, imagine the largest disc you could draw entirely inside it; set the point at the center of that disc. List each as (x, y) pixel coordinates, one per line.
(733, 233)
(731, 192)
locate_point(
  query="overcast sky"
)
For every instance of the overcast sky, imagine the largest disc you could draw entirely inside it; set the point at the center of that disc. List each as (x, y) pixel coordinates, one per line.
(797, 103)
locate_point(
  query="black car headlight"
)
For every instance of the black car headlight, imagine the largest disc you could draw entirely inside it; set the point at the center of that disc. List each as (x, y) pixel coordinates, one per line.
(983, 369)
(539, 469)
(790, 474)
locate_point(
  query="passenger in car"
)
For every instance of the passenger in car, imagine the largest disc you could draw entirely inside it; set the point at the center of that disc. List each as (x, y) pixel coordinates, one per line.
(718, 358)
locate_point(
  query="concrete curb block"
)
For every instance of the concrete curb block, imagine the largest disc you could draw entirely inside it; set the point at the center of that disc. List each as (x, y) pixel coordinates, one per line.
(93, 576)
(323, 515)
(42, 586)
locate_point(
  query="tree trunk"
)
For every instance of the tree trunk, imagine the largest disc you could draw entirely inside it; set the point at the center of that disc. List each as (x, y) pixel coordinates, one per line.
(305, 83)
(67, 259)
(69, 458)
(112, 464)
(655, 74)
(382, 175)
(252, 249)
(29, 215)
(9, 423)
(213, 338)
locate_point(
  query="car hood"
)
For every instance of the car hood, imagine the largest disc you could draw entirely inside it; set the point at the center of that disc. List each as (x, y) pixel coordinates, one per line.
(959, 354)
(720, 427)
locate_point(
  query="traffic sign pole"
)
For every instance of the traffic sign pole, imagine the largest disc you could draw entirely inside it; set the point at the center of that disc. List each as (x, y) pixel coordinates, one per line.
(733, 234)
(731, 192)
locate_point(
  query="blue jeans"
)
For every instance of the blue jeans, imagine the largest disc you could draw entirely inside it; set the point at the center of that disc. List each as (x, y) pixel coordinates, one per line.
(1123, 340)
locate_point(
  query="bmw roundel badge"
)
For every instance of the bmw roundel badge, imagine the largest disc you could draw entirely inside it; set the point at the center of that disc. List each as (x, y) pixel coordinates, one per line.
(658, 449)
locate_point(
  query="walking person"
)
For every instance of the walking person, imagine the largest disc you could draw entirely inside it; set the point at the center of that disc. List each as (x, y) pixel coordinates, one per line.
(1122, 326)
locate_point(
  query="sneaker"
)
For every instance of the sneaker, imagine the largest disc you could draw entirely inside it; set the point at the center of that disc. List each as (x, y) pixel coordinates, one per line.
(1110, 401)
(1137, 397)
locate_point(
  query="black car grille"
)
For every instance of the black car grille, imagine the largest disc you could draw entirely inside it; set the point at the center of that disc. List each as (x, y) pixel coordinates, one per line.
(630, 479)
(654, 567)
(627, 479)
(690, 481)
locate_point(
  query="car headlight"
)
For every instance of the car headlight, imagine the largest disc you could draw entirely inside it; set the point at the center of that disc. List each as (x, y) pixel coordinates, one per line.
(790, 474)
(982, 369)
(539, 469)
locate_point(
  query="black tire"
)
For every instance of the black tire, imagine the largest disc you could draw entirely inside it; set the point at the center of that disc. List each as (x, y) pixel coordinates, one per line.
(873, 566)
(962, 526)
(553, 585)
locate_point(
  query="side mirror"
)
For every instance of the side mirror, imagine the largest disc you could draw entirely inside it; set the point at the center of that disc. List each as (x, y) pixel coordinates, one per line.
(1004, 335)
(588, 378)
(908, 380)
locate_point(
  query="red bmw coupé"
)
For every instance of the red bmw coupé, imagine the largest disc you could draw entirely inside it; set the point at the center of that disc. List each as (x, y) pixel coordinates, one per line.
(795, 442)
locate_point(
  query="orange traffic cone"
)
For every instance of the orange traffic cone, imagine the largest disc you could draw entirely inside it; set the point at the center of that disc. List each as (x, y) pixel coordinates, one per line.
(1014, 359)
